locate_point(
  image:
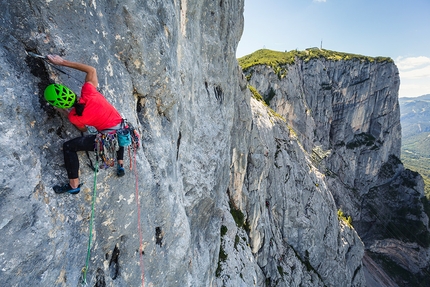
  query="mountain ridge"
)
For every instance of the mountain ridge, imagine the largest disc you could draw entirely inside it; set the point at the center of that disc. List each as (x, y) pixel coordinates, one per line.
(343, 99)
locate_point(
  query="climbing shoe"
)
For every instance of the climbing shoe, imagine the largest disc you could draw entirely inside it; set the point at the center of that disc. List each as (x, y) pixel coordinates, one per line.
(120, 171)
(67, 188)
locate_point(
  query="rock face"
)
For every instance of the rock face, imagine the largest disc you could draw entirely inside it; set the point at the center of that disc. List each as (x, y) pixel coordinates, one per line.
(346, 115)
(291, 217)
(222, 192)
(170, 68)
(344, 112)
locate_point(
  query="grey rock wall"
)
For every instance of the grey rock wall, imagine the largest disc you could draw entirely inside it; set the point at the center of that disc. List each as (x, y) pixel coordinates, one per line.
(345, 112)
(346, 115)
(290, 214)
(170, 69)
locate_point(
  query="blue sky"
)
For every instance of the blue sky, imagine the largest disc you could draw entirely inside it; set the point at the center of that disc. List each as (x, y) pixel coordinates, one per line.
(399, 29)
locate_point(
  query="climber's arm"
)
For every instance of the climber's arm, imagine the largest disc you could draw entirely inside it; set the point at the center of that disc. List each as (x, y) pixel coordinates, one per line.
(66, 113)
(91, 72)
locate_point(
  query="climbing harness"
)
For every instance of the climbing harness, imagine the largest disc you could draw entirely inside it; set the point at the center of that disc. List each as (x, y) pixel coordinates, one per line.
(87, 261)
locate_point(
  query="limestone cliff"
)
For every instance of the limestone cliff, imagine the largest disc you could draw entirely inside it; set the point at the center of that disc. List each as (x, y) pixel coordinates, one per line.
(344, 109)
(229, 191)
(170, 68)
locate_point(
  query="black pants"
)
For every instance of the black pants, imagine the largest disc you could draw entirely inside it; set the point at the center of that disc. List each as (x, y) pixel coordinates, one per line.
(85, 143)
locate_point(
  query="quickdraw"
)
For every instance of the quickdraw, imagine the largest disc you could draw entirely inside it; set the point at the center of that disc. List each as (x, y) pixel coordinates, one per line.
(106, 146)
(135, 143)
(135, 138)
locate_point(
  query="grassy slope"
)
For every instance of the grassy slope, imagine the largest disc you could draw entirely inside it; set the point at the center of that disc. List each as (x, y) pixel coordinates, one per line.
(276, 59)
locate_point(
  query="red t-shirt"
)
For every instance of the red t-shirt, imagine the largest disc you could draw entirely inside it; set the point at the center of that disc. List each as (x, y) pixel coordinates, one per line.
(98, 112)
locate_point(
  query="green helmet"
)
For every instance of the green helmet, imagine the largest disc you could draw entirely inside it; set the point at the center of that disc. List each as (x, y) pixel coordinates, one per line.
(60, 96)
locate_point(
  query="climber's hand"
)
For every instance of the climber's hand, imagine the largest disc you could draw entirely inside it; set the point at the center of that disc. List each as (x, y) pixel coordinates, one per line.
(55, 59)
(64, 112)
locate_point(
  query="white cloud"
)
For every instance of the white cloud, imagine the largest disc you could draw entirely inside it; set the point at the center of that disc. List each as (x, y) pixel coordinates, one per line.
(413, 88)
(423, 72)
(412, 62)
(320, 0)
(414, 75)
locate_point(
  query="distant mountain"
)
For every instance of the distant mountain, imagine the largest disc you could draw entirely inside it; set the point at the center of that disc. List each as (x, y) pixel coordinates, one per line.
(415, 115)
(415, 121)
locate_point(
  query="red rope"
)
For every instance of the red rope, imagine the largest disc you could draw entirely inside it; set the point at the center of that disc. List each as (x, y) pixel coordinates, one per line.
(138, 221)
(129, 156)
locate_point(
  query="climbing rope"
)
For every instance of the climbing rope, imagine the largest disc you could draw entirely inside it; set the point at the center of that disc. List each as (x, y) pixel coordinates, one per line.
(87, 262)
(129, 155)
(138, 220)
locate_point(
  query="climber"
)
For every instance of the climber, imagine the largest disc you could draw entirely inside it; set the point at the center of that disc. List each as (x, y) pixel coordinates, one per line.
(91, 109)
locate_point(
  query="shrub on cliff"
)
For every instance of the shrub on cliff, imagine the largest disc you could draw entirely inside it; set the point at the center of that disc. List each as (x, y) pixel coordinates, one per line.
(278, 60)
